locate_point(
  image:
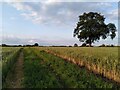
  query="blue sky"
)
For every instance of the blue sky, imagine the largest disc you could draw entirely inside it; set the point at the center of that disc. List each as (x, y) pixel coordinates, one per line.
(50, 23)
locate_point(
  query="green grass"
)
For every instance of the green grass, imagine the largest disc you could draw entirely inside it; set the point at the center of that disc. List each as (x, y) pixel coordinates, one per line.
(36, 73)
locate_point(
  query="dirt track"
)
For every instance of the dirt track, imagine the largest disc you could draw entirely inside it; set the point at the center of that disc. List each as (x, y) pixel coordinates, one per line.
(15, 76)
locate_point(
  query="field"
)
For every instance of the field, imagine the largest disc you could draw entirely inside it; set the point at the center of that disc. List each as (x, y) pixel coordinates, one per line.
(60, 67)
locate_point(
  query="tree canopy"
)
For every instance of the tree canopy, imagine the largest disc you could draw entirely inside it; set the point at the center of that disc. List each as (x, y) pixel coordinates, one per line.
(75, 45)
(91, 27)
(36, 44)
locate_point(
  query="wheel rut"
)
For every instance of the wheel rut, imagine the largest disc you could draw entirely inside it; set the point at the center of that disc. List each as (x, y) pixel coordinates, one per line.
(15, 76)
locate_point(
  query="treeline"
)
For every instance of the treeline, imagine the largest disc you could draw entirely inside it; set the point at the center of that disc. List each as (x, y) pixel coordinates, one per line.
(75, 45)
(5, 45)
(103, 45)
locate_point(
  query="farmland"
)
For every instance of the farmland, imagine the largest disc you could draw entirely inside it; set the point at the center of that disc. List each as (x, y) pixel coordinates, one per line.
(101, 60)
(9, 56)
(60, 67)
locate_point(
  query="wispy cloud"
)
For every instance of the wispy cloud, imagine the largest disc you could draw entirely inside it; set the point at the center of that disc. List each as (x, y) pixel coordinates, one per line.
(59, 12)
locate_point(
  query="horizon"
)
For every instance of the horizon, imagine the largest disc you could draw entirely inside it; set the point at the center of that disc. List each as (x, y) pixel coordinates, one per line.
(51, 23)
(55, 45)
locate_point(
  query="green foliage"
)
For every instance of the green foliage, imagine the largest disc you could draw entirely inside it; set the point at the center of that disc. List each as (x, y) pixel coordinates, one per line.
(91, 27)
(36, 44)
(75, 45)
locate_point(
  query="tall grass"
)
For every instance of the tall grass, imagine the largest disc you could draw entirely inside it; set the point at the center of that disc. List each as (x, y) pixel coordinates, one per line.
(102, 60)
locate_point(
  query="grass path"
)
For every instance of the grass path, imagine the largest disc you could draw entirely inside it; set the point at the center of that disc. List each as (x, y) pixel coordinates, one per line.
(15, 76)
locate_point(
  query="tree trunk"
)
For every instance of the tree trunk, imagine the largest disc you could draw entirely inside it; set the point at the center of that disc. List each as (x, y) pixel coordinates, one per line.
(90, 41)
(90, 44)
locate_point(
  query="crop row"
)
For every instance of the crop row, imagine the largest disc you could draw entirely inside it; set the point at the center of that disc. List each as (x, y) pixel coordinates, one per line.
(104, 61)
(72, 75)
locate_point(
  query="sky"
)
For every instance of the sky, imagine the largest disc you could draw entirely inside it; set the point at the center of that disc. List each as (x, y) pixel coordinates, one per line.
(49, 22)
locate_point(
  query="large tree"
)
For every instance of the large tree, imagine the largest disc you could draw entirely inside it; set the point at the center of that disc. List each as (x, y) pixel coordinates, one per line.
(91, 27)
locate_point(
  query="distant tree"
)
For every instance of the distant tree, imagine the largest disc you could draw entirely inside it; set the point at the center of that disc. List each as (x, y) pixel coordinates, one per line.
(75, 45)
(112, 45)
(4, 45)
(28, 45)
(36, 44)
(103, 45)
(19, 45)
(91, 27)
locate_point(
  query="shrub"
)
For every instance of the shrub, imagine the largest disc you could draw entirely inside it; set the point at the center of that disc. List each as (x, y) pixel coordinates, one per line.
(103, 45)
(75, 45)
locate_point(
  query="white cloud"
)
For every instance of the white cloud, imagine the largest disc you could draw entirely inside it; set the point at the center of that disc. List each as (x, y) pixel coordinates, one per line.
(31, 15)
(113, 14)
(104, 4)
(38, 20)
(50, 11)
(18, 6)
(31, 41)
(48, 2)
(21, 6)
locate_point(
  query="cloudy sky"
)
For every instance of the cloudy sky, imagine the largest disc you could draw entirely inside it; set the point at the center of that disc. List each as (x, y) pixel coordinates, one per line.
(49, 22)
